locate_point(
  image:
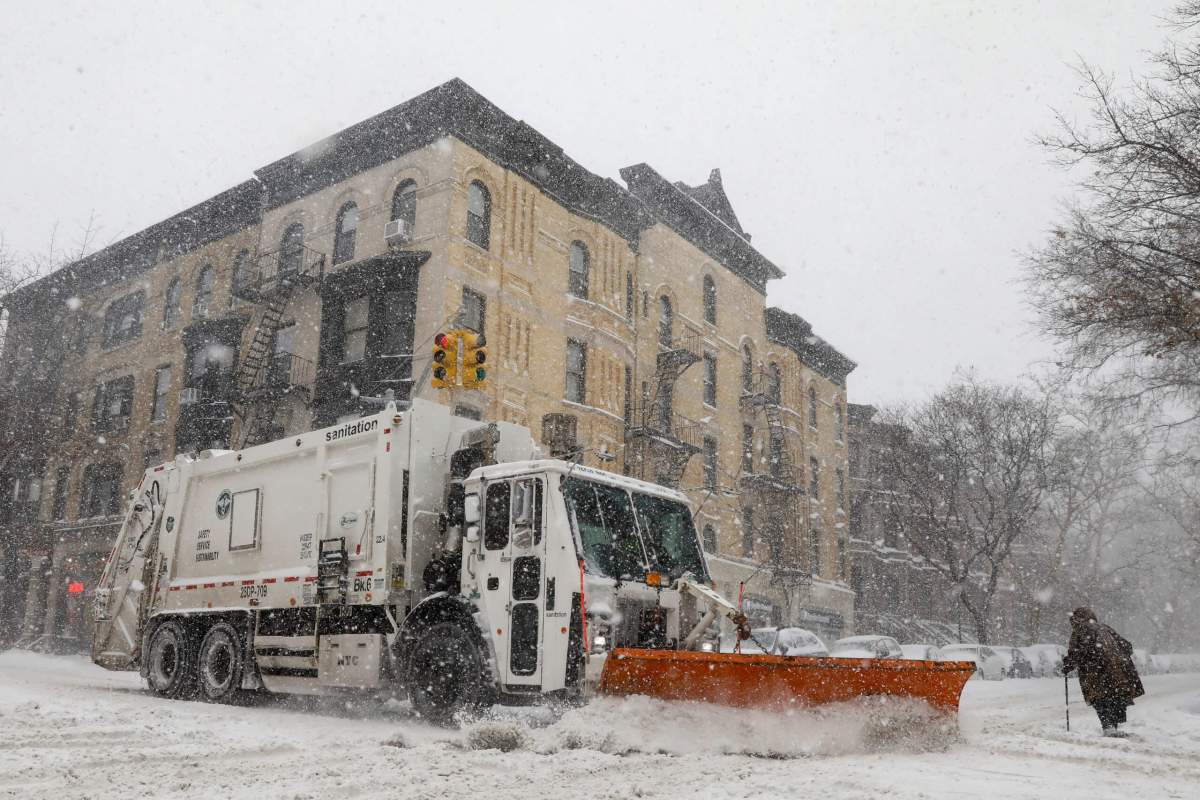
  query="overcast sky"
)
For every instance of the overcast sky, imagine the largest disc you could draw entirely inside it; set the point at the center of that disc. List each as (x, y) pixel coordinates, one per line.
(880, 153)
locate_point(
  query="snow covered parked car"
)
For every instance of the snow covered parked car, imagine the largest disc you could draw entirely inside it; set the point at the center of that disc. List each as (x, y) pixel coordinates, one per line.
(920, 652)
(781, 642)
(1046, 659)
(989, 664)
(1017, 664)
(866, 647)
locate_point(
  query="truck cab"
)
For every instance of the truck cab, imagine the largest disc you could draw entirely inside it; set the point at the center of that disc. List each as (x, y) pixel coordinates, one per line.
(568, 562)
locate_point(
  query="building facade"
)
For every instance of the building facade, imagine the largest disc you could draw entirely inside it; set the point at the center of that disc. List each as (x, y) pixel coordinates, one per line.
(627, 327)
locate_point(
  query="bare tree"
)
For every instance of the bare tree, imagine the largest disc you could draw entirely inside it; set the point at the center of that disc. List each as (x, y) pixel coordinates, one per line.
(968, 474)
(1119, 279)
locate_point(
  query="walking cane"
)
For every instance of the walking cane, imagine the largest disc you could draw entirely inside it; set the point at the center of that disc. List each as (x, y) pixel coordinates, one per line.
(1067, 696)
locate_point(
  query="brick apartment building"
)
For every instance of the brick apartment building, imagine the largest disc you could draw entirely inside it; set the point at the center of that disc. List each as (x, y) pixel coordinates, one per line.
(627, 327)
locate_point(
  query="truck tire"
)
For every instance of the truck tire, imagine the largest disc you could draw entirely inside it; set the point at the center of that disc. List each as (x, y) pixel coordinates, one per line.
(221, 662)
(446, 672)
(171, 671)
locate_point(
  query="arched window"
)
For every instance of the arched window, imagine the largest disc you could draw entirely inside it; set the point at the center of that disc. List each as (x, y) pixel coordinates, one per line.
(404, 204)
(710, 300)
(171, 304)
(666, 318)
(242, 276)
(479, 215)
(204, 291)
(580, 263)
(747, 369)
(291, 249)
(812, 406)
(344, 233)
(774, 383)
(710, 539)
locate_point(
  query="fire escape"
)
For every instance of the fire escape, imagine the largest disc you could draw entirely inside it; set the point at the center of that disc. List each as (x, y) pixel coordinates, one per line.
(777, 491)
(659, 442)
(266, 374)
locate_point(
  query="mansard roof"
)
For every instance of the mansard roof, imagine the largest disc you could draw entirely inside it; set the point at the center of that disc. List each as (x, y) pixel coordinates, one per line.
(795, 333)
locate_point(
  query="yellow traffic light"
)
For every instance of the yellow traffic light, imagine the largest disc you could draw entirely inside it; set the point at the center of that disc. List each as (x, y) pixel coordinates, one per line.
(474, 357)
(445, 360)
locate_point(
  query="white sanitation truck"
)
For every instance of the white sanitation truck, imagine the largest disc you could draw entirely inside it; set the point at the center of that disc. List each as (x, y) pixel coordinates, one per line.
(410, 550)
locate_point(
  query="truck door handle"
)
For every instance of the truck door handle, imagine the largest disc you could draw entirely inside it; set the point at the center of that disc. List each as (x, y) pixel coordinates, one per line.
(493, 584)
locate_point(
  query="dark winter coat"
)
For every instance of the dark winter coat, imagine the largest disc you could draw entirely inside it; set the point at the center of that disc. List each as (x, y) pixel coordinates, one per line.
(1105, 662)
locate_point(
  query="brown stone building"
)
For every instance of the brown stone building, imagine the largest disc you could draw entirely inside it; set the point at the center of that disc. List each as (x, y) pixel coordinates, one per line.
(627, 327)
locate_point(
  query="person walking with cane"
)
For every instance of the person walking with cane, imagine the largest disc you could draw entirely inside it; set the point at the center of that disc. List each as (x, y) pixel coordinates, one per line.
(1107, 675)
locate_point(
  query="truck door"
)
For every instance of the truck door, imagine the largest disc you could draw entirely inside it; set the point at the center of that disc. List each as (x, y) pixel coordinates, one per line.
(514, 569)
(351, 492)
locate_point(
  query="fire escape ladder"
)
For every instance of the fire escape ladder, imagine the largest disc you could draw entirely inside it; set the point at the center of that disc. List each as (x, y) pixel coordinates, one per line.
(660, 442)
(777, 490)
(279, 276)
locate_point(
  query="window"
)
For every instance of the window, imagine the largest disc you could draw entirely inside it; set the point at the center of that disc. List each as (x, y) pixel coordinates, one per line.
(842, 572)
(814, 551)
(151, 457)
(209, 358)
(495, 516)
(814, 478)
(840, 422)
(171, 304)
(603, 518)
(101, 495)
(748, 449)
(112, 404)
(123, 319)
(354, 330)
(291, 249)
(243, 276)
(474, 310)
(747, 369)
(162, 385)
(627, 406)
(404, 204)
(71, 414)
(576, 390)
(479, 215)
(841, 489)
(344, 233)
(710, 379)
(710, 463)
(776, 450)
(645, 304)
(62, 487)
(580, 264)
(710, 300)
(748, 532)
(629, 301)
(204, 292)
(467, 412)
(710, 539)
(774, 383)
(665, 321)
(812, 407)
(281, 354)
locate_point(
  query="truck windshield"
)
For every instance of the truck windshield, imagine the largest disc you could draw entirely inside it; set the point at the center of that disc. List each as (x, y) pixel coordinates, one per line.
(669, 535)
(603, 519)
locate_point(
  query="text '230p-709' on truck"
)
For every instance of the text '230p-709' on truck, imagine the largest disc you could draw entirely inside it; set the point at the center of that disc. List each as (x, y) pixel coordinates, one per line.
(422, 553)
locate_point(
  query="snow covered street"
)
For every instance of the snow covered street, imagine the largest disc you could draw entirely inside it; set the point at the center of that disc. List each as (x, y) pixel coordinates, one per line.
(71, 730)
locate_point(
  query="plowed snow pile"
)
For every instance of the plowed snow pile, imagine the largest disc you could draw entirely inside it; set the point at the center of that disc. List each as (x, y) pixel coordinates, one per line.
(622, 726)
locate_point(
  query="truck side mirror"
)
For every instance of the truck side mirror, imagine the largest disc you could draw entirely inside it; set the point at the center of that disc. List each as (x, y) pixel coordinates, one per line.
(471, 509)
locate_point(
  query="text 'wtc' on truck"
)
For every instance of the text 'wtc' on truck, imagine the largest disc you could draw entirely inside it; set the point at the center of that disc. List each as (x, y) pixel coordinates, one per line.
(422, 553)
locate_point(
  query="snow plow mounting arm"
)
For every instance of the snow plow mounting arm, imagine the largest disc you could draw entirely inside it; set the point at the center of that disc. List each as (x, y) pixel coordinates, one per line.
(718, 606)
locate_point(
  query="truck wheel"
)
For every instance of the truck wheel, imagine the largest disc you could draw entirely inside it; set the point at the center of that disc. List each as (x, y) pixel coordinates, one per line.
(222, 660)
(172, 668)
(445, 672)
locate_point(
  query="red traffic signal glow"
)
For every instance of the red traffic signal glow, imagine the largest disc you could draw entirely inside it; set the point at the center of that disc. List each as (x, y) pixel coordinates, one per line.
(75, 587)
(441, 340)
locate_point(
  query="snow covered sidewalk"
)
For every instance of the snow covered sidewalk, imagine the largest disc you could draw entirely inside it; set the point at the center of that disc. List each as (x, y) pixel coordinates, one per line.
(71, 730)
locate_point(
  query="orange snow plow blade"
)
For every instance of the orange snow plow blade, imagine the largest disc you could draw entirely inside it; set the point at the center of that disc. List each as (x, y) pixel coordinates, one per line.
(776, 682)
